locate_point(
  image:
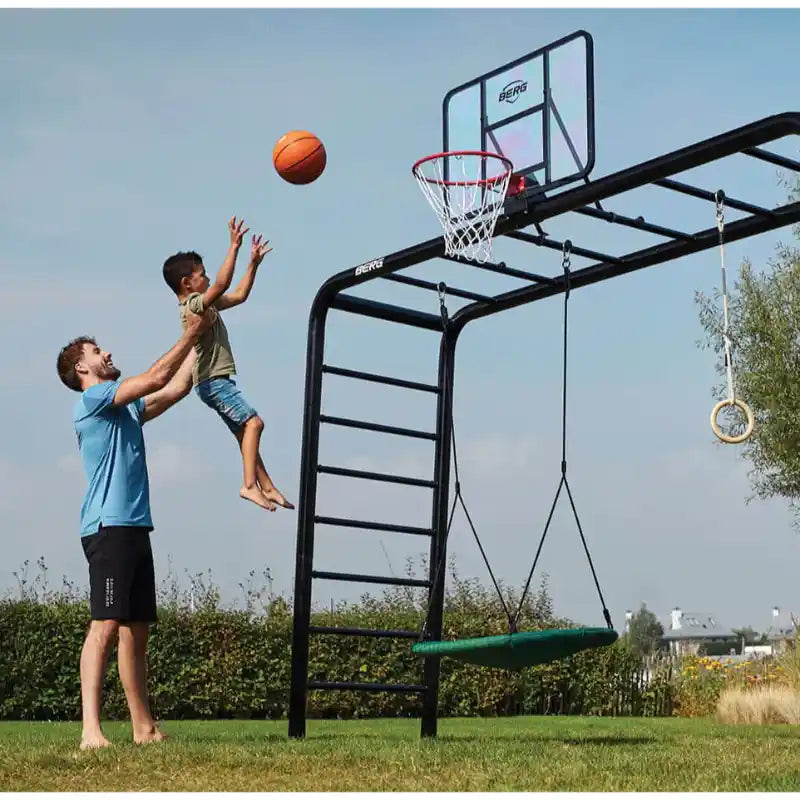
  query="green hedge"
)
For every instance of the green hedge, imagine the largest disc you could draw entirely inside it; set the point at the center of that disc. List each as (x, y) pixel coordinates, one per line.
(215, 662)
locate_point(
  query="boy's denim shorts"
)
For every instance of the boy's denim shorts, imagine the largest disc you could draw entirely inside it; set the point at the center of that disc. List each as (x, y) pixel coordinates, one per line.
(225, 397)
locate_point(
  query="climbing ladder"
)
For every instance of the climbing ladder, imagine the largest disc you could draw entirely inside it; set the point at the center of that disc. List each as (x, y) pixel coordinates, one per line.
(308, 520)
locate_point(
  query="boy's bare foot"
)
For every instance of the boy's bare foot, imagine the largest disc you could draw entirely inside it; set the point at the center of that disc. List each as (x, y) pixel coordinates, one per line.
(148, 736)
(276, 497)
(93, 741)
(255, 495)
(272, 505)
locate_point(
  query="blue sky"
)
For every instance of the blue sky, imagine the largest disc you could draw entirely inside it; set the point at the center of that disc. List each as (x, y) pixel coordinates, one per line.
(130, 135)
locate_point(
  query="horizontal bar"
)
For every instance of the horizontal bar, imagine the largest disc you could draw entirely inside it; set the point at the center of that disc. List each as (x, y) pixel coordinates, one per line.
(704, 194)
(373, 526)
(355, 686)
(502, 269)
(658, 254)
(638, 223)
(515, 117)
(372, 308)
(378, 634)
(374, 378)
(431, 285)
(349, 576)
(374, 476)
(772, 158)
(544, 241)
(374, 426)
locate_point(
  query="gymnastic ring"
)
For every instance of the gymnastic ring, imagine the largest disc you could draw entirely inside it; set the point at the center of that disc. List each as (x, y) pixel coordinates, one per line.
(745, 409)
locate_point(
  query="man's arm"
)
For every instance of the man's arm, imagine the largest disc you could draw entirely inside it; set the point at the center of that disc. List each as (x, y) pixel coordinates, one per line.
(225, 274)
(181, 384)
(242, 291)
(160, 374)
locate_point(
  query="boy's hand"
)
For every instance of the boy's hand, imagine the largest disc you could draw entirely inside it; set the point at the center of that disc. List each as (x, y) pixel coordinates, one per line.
(258, 250)
(237, 231)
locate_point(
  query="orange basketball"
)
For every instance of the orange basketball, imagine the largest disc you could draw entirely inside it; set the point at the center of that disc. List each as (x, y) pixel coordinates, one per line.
(299, 157)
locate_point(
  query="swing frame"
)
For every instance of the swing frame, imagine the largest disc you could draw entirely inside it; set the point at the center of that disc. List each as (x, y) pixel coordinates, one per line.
(519, 213)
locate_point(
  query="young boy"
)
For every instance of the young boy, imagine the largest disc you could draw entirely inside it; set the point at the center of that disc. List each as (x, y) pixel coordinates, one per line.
(186, 276)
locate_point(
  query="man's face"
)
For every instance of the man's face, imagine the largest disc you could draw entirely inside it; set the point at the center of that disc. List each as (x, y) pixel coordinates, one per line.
(98, 363)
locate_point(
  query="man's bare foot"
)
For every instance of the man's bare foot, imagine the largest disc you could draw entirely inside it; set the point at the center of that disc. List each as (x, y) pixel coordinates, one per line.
(276, 497)
(93, 741)
(255, 495)
(151, 735)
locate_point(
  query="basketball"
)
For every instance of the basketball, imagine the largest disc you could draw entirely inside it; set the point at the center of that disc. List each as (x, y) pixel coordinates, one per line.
(299, 157)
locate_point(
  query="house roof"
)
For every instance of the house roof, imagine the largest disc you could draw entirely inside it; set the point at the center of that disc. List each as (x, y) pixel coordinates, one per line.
(696, 625)
(782, 627)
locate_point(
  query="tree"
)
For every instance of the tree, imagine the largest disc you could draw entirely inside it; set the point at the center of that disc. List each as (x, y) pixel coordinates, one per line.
(644, 631)
(764, 327)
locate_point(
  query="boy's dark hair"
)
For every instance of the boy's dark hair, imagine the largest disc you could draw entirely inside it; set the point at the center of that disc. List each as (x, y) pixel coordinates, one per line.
(179, 266)
(68, 358)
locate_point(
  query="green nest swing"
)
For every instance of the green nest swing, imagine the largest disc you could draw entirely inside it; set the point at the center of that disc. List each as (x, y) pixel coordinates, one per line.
(515, 651)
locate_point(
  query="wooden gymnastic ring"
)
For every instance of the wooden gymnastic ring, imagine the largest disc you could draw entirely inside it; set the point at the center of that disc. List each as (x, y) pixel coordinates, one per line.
(745, 409)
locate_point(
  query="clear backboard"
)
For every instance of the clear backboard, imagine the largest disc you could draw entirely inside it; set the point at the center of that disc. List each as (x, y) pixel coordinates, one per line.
(537, 111)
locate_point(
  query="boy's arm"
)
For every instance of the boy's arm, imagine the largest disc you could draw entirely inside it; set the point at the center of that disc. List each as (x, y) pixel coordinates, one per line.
(257, 252)
(225, 274)
(181, 384)
(159, 375)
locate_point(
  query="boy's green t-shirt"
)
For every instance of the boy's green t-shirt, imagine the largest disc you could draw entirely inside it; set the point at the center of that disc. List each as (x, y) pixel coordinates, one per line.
(214, 354)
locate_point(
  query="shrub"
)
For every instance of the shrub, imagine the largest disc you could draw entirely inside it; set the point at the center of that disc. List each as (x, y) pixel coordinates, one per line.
(206, 661)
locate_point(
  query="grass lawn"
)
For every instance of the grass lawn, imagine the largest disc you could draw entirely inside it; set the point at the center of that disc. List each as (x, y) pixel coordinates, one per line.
(511, 754)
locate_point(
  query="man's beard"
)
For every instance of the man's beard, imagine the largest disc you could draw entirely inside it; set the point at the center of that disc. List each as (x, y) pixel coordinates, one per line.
(111, 373)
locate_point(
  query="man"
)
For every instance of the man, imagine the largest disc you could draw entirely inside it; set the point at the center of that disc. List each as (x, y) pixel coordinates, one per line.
(115, 515)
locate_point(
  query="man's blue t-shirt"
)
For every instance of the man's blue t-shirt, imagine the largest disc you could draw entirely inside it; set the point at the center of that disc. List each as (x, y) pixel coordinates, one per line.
(112, 449)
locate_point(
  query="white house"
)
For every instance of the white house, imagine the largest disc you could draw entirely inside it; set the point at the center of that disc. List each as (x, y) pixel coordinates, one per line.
(686, 631)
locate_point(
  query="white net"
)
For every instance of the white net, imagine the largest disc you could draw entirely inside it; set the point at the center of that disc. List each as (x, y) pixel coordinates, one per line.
(467, 198)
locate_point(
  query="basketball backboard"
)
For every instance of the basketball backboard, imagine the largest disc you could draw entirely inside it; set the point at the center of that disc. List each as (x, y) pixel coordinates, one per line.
(537, 110)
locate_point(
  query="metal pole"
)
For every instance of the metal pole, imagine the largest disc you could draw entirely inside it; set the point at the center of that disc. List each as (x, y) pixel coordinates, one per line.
(306, 510)
(438, 553)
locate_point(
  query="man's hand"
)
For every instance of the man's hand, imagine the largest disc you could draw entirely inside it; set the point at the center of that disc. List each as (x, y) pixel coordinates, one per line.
(237, 231)
(198, 324)
(258, 250)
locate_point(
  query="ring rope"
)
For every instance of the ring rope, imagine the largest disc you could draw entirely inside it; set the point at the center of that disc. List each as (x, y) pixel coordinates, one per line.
(731, 400)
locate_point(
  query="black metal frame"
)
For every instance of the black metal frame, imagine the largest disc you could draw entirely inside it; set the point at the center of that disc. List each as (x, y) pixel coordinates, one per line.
(583, 199)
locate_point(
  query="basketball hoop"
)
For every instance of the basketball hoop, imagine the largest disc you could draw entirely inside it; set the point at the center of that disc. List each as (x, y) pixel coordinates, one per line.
(467, 190)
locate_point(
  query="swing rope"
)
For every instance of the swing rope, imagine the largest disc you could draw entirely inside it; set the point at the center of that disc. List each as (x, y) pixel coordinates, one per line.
(442, 289)
(564, 483)
(731, 400)
(513, 618)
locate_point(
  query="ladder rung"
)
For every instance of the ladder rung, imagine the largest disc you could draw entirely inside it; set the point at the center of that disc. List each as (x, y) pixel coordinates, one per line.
(357, 686)
(378, 634)
(347, 576)
(373, 526)
(374, 476)
(374, 378)
(374, 426)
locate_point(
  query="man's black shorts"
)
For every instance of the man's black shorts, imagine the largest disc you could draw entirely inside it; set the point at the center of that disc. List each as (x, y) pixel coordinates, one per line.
(121, 575)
